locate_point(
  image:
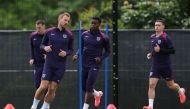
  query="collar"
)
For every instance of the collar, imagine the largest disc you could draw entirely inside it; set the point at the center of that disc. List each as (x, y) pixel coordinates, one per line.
(60, 28)
(94, 32)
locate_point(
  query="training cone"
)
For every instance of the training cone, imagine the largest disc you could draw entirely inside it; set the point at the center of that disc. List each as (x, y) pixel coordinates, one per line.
(111, 106)
(9, 106)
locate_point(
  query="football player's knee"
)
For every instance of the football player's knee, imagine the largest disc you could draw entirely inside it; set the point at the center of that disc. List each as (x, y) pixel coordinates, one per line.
(43, 87)
(51, 90)
(152, 85)
(171, 86)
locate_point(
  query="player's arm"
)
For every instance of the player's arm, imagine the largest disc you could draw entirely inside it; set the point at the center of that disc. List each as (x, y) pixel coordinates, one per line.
(75, 57)
(150, 54)
(31, 61)
(70, 46)
(106, 46)
(44, 44)
(169, 49)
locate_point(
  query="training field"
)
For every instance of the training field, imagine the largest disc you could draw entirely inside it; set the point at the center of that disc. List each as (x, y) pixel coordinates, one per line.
(17, 80)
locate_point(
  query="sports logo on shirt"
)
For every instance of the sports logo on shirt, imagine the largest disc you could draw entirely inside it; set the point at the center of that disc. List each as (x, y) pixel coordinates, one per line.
(150, 73)
(52, 34)
(43, 75)
(85, 36)
(98, 38)
(34, 39)
(64, 36)
(159, 41)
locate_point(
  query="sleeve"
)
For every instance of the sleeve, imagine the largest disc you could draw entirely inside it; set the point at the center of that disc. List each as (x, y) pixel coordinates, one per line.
(106, 46)
(77, 53)
(151, 44)
(44, 42)
(70, 46)
(169, 49)
(31, 48)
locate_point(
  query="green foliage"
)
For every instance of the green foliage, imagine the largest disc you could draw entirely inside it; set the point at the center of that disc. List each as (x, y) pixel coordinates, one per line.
(22, 14)
(186, 23)
(104, 12)
(142, 14)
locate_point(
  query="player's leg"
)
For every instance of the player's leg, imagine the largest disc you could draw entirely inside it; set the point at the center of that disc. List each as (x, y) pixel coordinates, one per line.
(181, 91)
(90, 91)
(38, 74)
(46, 76)
(87, 99)
(84, 78)
(84, 85)
(153, 80)
(43, 86)
(97, 94)
(55, 78)
(50, 94)
(168, 76)
(38, 77)
(172, 85)
(151, 91)
(40, 93)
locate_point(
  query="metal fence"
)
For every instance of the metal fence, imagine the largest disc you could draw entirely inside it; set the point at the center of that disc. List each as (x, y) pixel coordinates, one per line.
(17, 80)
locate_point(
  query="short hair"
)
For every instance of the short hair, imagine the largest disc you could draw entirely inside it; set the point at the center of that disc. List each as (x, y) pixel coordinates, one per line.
(40, 22)
(160, 20)
(64, 14)
(97, 18)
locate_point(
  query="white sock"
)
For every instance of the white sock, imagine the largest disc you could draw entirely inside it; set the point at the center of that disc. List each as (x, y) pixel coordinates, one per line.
(35, 103)
(151, 102)
(45, 105)
(181, 90)
(85, 106)
(95, 93)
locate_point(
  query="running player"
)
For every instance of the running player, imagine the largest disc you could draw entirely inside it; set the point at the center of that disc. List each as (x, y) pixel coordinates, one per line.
(58, 44)
(37, 56)
(162, 47)
(93, 44)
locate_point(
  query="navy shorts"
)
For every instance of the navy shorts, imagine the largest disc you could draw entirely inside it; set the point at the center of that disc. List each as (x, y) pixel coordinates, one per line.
(162, 72)
(89, 77)
(53, 71)
(38, 68)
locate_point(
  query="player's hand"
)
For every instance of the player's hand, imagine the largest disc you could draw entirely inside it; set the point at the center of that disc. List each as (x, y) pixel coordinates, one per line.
(149, 55)
(157, 48)
(75, 57)
(48, 48)
(31, 62)
(98, 60)
(62, 53)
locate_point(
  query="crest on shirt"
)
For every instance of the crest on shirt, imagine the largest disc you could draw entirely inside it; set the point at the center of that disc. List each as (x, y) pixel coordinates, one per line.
(34, 39)
(159, 41)
(43, 75)
(98, 38)
(151, 73)
(64, 36)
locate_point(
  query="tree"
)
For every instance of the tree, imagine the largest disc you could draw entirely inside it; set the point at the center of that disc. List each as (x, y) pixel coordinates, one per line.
(142, 14)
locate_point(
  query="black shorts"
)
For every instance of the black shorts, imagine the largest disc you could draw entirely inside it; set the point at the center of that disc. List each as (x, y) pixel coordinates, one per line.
(162, 72)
